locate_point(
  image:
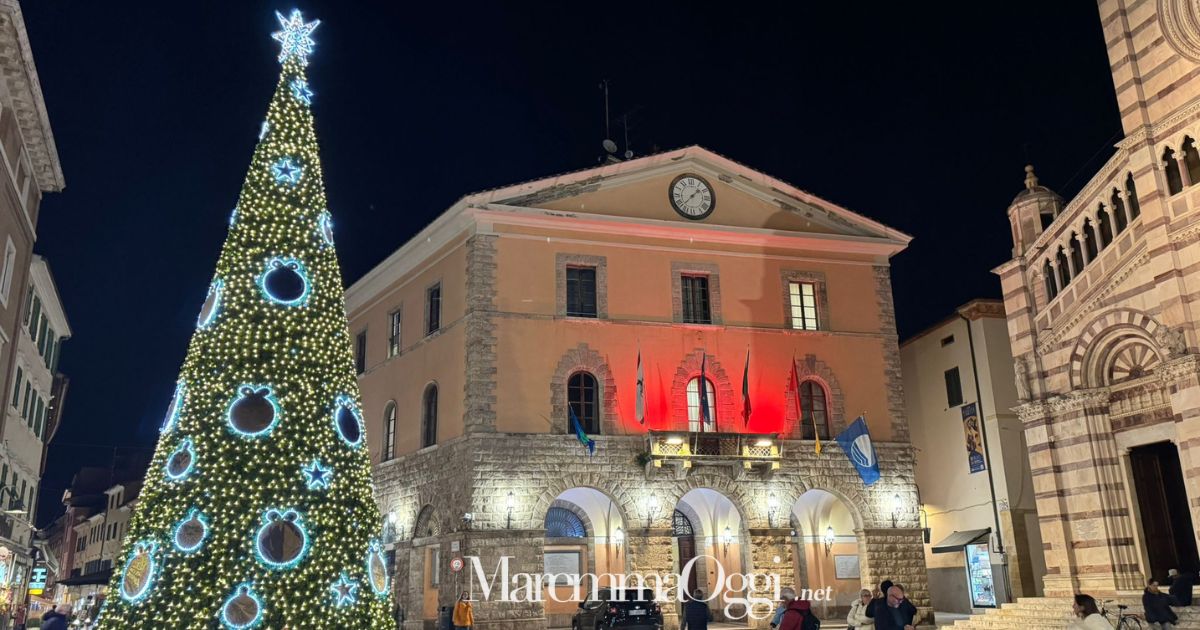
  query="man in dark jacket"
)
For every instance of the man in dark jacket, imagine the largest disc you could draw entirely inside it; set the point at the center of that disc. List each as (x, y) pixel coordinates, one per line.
(881, 600)
(1180, 587)
(897, 612)
(1157, 606)
(54, 620)
(696, 614)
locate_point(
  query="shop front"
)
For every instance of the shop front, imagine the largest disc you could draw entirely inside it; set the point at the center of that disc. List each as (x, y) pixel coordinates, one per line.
(976, 587)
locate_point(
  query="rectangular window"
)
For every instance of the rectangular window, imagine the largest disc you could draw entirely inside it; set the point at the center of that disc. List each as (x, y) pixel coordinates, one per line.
(393, 333)
(34, 316)
(433, 309)
(803, 296)
(954, 396)
(16, 399)
(6, 274)
(694, 294)
(28, 305)
(581, 291)
(40, 422)
(947, 340)
(41, 334)
(360, 352)
(25, 402)
(49, 346)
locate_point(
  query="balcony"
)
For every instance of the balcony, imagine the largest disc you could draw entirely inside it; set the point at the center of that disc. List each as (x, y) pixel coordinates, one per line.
(739, 452)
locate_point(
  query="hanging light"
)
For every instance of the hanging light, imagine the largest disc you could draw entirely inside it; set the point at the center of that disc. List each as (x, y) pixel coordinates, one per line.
(618, 538)
(726, 539)
(772, 509)
(829, 540)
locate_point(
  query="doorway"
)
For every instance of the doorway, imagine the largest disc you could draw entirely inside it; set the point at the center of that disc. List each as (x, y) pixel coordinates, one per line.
(685, 538)
(1162, 504)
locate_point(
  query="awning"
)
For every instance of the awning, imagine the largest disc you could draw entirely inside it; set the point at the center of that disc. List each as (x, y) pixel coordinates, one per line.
(958, 540)
(100, 577)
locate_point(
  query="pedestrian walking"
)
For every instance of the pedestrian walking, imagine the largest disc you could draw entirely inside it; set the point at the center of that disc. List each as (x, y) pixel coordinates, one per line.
(464, 614)
(1088, 615)
(785, 597)
(799, 616)
(696, 615)
(1157, 607)
(54, 620)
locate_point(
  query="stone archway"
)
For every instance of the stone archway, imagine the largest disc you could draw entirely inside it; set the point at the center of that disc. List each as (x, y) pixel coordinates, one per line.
(810, 368)
(1091, 355)
(722, 545)
(822, 562)
(688, 369)
(583, 358)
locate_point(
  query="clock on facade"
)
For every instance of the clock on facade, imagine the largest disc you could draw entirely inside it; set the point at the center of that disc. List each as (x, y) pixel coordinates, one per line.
(692, 196)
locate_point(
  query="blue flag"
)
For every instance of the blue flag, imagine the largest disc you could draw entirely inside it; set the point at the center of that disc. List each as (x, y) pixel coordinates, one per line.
(583, 437)
(856, 443)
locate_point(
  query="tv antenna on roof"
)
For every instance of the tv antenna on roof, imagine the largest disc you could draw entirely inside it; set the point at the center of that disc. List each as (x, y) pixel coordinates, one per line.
(610, 147)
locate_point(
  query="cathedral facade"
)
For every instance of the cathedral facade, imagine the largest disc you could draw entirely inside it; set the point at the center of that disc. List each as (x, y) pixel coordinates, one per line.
(1102, 303)
(628, 369)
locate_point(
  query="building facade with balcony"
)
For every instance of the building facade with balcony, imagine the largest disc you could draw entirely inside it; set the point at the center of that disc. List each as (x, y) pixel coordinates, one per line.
(507, 334)
(1102, 299)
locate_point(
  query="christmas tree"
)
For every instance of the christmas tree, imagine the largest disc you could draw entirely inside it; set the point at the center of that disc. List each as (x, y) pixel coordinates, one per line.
(258, 507)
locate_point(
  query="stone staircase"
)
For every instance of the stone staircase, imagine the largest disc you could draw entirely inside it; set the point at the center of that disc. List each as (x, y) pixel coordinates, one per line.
(1052, 613)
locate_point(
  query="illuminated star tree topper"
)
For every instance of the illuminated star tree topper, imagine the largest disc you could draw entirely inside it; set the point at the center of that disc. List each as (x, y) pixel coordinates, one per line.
(258, 511)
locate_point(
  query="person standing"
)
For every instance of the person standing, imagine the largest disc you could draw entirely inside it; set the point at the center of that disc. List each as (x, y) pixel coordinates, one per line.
(1157, 606)
(464, 614)
(799, 616)
(896, 613)
(696, 615)
(857, 618)
(879, 602)
(785, 597)
(54, 620)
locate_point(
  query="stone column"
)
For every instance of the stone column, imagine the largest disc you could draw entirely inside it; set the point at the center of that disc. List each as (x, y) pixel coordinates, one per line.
(1181, 164)
(896, 554)
(650, 550)
(524, 549)
(1182, 380)
(1081, 241)
(771, 553)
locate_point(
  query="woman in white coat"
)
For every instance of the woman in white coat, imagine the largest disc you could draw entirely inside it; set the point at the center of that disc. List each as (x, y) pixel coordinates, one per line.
(858, 619)
(1089, 617)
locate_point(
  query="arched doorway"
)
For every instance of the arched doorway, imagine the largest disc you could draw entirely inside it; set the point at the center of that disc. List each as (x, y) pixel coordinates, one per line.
(717, 546)
(827, 552)
(585, 534)
(426, 555)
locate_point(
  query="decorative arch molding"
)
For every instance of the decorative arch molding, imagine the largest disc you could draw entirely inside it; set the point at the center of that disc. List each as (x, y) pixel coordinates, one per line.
(589, 527)
(688, 369)
(810, 368)
(549, 497)
(1181, 27)
(428, 523)
(582, 358)
(1117, 345)
(851, 498)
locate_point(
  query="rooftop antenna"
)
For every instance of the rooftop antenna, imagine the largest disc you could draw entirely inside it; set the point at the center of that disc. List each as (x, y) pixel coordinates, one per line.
(610, 147)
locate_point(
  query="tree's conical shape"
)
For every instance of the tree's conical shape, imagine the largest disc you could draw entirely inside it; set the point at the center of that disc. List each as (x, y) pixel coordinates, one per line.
(258, 508)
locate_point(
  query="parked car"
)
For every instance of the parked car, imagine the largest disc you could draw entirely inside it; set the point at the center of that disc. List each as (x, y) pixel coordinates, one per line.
(628, 609)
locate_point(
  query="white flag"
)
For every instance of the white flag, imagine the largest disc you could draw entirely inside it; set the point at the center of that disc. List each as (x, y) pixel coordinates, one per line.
(640, 405)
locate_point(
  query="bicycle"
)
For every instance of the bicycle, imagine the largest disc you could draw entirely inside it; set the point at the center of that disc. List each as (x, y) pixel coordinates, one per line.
(1125, 621)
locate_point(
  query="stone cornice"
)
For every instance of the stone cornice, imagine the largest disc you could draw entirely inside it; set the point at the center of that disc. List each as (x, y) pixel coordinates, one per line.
(1059, 404)
(1176, 369)
(20, 76)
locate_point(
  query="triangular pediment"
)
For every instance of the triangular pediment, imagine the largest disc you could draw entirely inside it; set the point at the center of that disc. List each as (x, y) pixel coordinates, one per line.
(640, 189)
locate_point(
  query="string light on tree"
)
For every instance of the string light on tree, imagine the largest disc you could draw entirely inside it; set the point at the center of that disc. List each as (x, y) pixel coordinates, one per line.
(239, 524)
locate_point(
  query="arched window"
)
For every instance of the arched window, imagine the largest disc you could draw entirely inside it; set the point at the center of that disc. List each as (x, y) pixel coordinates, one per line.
(695, 419)
(1089, 239)
(1105, 221)
(1191, 159)
(1076, 253)
(427, 524)
(815, 406)
(1131, 194)
(389, 432)
(681, 525)
(582, 396)
(1171, 170)
(1064, 271)
(429, 409)
(563, 523)
(1051, 285)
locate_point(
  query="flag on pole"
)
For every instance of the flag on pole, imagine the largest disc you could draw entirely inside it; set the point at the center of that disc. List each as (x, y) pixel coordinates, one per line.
(639, 408)
(800, 407)
(856, 444)
(703, 387)
(588, 442)
(746, 390)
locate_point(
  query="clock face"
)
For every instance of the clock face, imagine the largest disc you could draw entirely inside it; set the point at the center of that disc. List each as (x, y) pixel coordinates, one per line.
(692, 197)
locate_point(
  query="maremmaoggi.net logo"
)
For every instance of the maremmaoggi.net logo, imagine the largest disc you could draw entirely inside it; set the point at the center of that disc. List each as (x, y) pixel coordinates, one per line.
(750, 595)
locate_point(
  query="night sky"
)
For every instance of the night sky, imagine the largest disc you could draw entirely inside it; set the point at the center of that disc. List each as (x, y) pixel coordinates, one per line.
(918, 115)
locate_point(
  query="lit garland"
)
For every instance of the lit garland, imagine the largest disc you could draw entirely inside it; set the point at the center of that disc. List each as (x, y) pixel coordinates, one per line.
(173, 410)
(304, 352)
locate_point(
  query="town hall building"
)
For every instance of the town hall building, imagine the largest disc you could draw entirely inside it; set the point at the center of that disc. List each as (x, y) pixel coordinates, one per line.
(517, 328)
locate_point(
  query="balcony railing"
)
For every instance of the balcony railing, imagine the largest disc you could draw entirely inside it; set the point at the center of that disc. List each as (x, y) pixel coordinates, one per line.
(688, 448)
